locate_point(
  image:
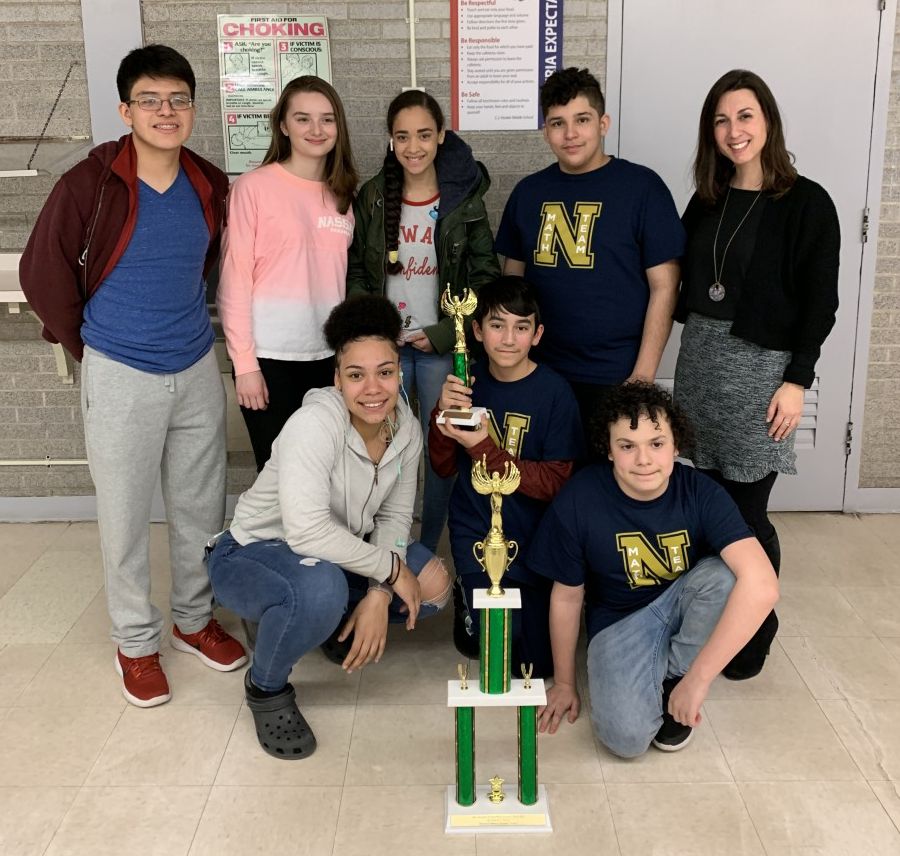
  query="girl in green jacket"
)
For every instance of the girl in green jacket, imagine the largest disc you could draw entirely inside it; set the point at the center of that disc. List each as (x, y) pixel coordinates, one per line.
(421, 225)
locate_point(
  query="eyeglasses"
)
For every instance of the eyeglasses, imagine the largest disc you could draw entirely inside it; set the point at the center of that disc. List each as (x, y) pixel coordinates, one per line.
(151, 103)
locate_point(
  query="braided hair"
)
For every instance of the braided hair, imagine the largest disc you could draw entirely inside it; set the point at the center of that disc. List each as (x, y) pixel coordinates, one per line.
(393, 173)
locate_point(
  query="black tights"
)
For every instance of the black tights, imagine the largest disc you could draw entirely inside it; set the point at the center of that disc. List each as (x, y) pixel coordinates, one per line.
(287, 381)
(752, 500)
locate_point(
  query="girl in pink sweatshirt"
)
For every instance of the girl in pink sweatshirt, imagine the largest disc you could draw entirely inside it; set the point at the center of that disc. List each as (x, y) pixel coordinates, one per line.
(284, 261)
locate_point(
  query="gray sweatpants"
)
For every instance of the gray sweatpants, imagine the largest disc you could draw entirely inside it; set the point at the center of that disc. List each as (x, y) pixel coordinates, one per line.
(138, 426)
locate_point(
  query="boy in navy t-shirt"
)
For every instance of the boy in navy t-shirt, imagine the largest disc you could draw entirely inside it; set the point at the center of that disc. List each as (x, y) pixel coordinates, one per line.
(600, 238)
(674, 581)
(532, 421)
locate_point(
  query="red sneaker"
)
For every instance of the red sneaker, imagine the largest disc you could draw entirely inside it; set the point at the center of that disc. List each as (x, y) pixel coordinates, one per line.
(143, 681)
(212, 645)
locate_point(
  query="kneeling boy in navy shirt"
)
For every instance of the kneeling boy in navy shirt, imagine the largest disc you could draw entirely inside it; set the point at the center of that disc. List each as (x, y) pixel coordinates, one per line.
(674, 581)
(533, 421)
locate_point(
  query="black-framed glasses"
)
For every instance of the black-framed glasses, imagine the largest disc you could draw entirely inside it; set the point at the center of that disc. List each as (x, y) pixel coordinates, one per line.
(152, 103)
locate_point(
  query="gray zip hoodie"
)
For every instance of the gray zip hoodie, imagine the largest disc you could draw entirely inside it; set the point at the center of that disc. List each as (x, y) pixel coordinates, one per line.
(321, 493)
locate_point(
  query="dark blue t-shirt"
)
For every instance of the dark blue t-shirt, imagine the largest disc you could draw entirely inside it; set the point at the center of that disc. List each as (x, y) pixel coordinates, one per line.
(625, 551)
(586, 241)
(150, 312)
(534, 419)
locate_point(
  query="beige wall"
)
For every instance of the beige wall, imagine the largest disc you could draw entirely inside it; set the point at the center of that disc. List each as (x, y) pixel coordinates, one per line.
(880, 465)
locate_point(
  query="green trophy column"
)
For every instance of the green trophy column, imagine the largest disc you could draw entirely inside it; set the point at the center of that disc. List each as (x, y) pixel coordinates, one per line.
(461, 366)
(465, 756)
(528, 784)
(495, 657)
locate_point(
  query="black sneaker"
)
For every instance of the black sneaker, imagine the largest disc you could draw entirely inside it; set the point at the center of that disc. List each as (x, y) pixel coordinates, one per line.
(337, 651)
(672, 735)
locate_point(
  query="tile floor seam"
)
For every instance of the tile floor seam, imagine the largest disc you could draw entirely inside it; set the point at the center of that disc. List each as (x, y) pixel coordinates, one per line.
(62, 820)
(103, 747)
(806, 646)
(876, 748)
(612, 819)
(709, 724)
(237, 716)
(896, 787)
(337, 819)
(349, 750)
(756, 831)
(209, 789)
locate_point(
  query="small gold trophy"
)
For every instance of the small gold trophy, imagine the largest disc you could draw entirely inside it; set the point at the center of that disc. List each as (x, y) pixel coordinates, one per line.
(460, 308)
(496, 794)
(497, 554)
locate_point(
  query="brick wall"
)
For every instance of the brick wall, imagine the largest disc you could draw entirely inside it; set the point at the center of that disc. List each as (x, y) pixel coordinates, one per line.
(370, 64)
(880, 464)
(39, 416)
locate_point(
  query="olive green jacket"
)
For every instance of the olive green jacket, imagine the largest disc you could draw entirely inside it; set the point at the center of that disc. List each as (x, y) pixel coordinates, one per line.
(464, 241)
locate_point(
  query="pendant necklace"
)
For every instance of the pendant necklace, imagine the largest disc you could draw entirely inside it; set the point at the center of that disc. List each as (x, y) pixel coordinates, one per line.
(717, 290)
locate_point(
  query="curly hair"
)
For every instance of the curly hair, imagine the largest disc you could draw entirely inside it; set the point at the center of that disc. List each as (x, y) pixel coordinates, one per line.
(567, 84)
(393, 172)
(359, 317)
(632, 401)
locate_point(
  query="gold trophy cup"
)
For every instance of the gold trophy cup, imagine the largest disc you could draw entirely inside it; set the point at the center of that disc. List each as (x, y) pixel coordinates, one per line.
(497, 554)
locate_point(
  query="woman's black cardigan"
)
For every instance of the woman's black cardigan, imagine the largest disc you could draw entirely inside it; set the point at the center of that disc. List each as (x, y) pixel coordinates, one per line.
(790, 293)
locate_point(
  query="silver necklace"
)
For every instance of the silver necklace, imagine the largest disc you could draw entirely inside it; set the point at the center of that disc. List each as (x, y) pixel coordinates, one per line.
(717, 290)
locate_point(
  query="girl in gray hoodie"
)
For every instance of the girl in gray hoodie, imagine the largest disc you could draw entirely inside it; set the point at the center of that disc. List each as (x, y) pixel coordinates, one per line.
(325, 527)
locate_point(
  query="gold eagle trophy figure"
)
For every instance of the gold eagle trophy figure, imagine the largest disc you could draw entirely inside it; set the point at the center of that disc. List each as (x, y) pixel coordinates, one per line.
(497, 554)
(459, 308)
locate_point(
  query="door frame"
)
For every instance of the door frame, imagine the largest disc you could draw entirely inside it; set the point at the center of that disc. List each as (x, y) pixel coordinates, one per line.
(856, 498)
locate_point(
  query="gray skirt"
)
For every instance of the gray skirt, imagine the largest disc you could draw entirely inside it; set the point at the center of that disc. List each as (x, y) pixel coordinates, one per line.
(725, 384)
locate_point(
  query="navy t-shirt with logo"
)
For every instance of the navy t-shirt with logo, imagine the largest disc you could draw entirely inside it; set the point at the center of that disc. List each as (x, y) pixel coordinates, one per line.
(624, 551)
(534, 419)
(586, 241)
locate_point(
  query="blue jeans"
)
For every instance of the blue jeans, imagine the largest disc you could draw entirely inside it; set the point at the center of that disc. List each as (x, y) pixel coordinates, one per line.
(297, 601)
(424, 374)
(628, 660)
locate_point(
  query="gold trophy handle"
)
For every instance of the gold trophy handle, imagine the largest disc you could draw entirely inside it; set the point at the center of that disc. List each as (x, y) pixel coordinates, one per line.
(478, 545)
(513, 547)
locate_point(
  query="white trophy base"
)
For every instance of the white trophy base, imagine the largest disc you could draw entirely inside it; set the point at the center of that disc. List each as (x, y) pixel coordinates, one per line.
(517, 696)
(507, 817)
(469, 418)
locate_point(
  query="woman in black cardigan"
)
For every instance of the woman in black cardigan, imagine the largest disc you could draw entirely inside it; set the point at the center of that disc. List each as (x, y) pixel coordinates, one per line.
(758, 297)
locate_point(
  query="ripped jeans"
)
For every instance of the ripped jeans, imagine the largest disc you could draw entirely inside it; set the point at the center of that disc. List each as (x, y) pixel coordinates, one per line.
(297, 601)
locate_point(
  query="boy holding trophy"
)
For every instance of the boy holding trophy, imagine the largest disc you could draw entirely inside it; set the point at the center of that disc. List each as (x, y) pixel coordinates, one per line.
(531, 420)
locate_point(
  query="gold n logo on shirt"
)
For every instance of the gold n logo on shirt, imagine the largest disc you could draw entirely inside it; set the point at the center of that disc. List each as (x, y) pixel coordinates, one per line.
(515, 427)
(644, 566)
(558, 232)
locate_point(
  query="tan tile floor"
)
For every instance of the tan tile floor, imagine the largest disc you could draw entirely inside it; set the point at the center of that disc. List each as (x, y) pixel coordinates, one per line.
(804, 759)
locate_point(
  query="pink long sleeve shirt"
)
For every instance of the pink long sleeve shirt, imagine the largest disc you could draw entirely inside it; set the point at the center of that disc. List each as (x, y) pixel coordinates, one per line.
(284, 267)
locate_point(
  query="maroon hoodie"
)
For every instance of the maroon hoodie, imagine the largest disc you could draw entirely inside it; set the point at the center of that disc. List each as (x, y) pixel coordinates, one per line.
(85, 226)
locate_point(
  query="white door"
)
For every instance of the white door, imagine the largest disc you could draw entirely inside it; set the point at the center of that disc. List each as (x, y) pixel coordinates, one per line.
(818, 57)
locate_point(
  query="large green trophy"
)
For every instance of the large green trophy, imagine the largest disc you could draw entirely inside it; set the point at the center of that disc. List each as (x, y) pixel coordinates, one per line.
(460, 308)
(472, 808)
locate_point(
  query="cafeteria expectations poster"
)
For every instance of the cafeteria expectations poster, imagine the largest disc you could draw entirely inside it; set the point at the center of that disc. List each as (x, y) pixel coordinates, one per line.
(258, 55)
(502, 51)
